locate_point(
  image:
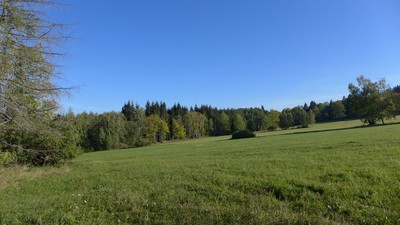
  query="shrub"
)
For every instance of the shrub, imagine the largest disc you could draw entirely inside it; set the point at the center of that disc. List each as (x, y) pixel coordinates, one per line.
(272, 128)
(243, 134)
(7, 158)
(54, 141)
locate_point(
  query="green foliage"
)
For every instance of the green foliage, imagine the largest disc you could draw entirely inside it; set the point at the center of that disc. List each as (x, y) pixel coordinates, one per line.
(7, 158)
(129, 110)
(55, 142)
(237, 122)
(396, 89)
(286, 119)
(210, 129)
(157, 129)
(222, 124)
(372, 100)
(179, 131)
(256, 119)
(337, 110)
(334, 110)
(243, 134)
(158, 109)
(273, 119)
(396, 101)
(299, 117)
(111, 130)
(310, 117)
(272, 128)
(135, 125)
(108, 131)
(195, 124)
(29, 126)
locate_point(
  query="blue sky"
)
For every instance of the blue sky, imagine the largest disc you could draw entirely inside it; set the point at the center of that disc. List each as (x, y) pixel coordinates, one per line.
(225, 53)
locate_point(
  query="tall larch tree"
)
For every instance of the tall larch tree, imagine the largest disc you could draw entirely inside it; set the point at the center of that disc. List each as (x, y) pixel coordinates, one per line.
(28, 96)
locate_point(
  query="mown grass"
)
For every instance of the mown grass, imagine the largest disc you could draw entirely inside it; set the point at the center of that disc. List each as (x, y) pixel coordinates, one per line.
(334, 173)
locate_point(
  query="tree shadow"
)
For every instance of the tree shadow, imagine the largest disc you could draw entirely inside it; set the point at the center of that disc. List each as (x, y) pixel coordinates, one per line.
(343, 128)
(315, 131)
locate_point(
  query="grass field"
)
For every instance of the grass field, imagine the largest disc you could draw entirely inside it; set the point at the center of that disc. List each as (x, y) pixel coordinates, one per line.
(334, 173)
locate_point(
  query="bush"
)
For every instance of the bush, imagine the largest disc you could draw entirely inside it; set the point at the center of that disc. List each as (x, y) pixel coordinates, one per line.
(7, 158)
(50, 143)
(272, 128)
(243, 134)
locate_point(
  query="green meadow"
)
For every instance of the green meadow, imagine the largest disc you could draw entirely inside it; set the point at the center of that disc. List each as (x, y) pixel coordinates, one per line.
(333, 173)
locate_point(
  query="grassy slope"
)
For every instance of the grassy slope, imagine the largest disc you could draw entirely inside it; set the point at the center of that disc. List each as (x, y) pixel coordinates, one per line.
(331, 173)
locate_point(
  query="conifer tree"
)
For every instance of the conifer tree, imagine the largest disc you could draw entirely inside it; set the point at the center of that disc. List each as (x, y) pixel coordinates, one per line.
(28, 96)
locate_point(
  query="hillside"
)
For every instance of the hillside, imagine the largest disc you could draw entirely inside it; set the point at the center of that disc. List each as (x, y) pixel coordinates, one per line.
(328, 174)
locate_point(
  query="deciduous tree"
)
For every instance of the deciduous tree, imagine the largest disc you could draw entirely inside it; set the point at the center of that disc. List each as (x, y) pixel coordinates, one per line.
(286, 119)
(157, 129)
(371, 100)
(237, 122)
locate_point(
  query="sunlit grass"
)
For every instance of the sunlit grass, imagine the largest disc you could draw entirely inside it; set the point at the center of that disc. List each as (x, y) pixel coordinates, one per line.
(328, 174)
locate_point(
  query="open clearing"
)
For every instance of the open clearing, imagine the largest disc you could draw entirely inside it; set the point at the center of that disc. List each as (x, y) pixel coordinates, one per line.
(333, 173)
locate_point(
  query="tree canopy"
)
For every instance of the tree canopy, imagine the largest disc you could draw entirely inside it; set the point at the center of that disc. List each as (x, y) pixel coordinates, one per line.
(372, 101)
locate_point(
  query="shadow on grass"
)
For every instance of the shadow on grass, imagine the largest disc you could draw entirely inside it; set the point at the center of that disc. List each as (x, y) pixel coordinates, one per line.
(233, 139)
(317, 131)
(343, 128)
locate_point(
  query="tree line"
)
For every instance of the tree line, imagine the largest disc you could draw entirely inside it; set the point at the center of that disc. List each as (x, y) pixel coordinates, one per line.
(33, 132)
(136, 126)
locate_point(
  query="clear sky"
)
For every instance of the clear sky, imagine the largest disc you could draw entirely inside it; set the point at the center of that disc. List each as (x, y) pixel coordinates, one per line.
(225, 53)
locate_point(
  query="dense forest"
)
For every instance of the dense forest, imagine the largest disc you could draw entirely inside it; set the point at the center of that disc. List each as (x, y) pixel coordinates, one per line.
(136, 126)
